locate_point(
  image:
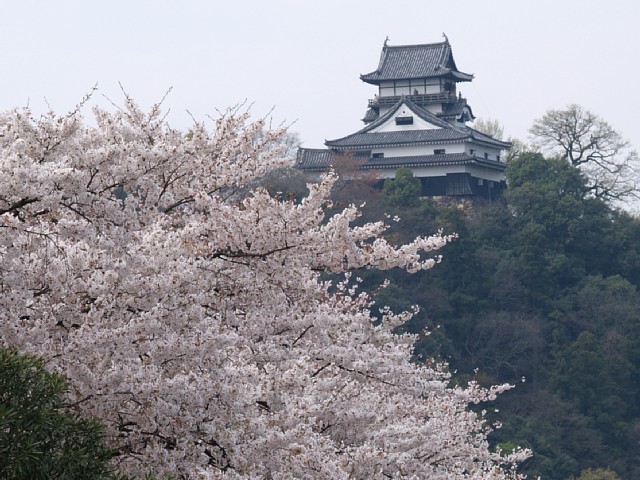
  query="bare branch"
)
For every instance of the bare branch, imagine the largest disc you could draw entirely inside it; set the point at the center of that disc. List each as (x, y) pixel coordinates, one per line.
(591, 144)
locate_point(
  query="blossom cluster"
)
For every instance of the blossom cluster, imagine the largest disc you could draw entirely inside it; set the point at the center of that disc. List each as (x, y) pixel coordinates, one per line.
(190, 316)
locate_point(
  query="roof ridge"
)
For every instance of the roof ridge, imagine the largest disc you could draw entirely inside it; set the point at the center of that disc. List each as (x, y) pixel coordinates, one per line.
(423, 113)
(397, 137)
(416, 61)
(444, 56)
(416, 45)
(426, 115)
(380, 119)
(477, 135)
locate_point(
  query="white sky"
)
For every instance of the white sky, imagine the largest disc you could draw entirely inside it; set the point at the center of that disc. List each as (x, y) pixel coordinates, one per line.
(304, 58)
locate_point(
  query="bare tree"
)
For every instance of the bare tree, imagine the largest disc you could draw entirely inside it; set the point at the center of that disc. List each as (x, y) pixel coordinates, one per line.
(489, 126)
(518, 147)
(494, 129)
(591, 144)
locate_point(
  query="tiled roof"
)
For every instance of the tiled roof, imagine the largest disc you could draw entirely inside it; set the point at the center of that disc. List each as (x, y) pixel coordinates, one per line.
(416, 61)
(317, 159)
(370, 116)
(481, 137)
(378, 139)
(425, 160)
(455, 109)
(314, 158)
(320, 160)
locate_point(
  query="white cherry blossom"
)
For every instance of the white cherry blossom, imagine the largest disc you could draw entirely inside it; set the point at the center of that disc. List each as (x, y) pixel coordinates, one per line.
(190, 316)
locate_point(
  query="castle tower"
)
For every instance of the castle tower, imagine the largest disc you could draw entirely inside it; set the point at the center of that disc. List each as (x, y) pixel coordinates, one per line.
(425, 74)
(419, 121)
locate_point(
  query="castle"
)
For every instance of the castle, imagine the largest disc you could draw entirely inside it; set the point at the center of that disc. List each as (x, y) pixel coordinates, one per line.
(418, 120)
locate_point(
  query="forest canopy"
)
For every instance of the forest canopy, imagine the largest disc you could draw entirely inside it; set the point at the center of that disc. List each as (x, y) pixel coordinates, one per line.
(538, 290)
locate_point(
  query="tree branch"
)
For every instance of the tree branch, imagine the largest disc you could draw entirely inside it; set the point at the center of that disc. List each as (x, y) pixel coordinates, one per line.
(19, 204)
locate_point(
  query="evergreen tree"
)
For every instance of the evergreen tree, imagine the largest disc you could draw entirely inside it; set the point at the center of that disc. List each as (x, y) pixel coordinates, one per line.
(39, 437)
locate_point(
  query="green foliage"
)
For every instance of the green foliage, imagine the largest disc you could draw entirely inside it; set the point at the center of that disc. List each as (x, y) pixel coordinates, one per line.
(404, 190)
(562, 440)
(39, 438)
(543, 286)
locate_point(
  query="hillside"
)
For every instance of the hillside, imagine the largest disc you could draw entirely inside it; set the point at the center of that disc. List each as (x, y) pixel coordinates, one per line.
(539, 290)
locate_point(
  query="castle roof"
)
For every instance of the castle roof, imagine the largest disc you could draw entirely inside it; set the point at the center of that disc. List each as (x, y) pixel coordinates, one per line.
(445, 132)
(437, 159)
(386, 139)
(404, 62)
(452, 110)
(323, 159)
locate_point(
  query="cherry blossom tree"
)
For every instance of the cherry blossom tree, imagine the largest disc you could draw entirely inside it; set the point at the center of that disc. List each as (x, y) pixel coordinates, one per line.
(192, 320)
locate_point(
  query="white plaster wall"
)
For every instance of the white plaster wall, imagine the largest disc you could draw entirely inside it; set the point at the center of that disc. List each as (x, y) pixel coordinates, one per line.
(386, 89)
(441, 171)
(404, 111)
(413, 150)
(479, 151)
(407, 87)
(486, 173)
(420, 88)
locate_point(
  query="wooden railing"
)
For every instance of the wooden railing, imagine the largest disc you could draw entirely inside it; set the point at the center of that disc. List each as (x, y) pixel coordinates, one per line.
(418, 99)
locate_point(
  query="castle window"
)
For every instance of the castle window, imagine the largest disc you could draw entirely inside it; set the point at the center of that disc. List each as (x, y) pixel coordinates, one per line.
(486, 155)
(439, 151)
(377, 155)
(472, 151)
(404, 120)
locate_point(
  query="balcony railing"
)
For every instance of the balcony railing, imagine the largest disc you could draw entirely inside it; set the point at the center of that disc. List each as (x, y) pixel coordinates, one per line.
(417, 99)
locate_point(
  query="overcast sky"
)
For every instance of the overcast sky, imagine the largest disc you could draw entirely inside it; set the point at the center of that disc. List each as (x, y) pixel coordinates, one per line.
(304, 58)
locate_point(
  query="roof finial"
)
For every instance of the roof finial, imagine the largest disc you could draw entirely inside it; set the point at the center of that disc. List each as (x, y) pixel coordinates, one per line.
(445, 37)
(386, 40)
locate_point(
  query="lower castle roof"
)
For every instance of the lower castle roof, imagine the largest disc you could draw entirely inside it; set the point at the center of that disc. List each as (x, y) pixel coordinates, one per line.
(386, 139)
(323, 159)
